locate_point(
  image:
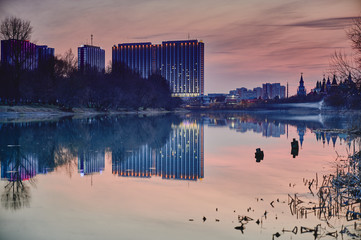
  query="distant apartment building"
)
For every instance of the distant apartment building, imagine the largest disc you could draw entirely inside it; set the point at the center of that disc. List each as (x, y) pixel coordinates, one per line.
(250, 94)
(273, 90)
(91, 58)
(244, 93)
(233, 92)
(267, 91)
(24, 53)
(258, 91)
(181, 63)
(217, 97)
(241, 92)
(282, 92)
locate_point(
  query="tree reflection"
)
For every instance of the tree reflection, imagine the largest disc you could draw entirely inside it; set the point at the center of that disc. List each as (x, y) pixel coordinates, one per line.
(16, 194)
(65, 157)
(18, 169)
(28, 149)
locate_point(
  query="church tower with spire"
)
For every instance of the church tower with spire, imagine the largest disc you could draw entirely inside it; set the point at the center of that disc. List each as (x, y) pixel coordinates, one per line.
(334, 81)
(323, 85)
(301, 91)
(328, 85)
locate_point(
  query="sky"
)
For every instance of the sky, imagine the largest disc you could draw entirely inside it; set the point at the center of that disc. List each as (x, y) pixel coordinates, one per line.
(247, 42)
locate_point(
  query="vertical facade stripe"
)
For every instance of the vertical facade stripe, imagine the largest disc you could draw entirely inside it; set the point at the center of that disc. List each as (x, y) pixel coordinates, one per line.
(181, 63)
(92, 57)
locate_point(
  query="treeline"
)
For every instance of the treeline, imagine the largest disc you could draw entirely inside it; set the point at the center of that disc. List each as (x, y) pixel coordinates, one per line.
(58, 82)
(344, 97)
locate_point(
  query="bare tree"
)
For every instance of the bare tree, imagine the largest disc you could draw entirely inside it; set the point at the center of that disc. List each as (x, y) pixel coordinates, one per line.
(20, 55)
(16, 194)
(343, 64)
(15, 28)
(108, 68)
(71, 60)
(67, 64)
(354, 34)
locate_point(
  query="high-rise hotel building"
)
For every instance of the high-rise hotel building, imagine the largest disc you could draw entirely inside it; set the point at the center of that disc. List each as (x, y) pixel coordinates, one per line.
(180, 62)
(91, 57)
(137, 56)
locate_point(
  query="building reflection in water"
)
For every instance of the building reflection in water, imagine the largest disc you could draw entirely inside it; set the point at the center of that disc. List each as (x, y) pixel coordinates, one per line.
(277, 127)
(179, 155)
(90, 162)
(22, 168)
(137, 147)
(242, 125)
(181, 158)
(332, 137)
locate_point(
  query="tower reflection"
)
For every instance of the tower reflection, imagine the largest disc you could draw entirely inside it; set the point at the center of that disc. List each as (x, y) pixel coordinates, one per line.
(181, 158)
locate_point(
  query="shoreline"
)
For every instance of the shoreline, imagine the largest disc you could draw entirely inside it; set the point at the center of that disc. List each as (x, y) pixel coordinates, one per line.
(46, 112)
(31, 113)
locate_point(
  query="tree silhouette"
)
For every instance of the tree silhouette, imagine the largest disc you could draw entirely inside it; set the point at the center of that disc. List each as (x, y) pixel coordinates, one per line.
(354, 34)
(343, 64)
(16, 31)
(15, 28)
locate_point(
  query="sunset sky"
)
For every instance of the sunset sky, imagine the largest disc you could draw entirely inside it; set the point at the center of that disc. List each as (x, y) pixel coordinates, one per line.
(247, 42)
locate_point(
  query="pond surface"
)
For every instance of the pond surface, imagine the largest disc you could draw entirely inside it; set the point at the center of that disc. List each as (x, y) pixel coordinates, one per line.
(164, 177)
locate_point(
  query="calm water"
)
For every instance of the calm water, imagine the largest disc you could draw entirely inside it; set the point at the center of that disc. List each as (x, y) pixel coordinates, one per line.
(156, 177)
